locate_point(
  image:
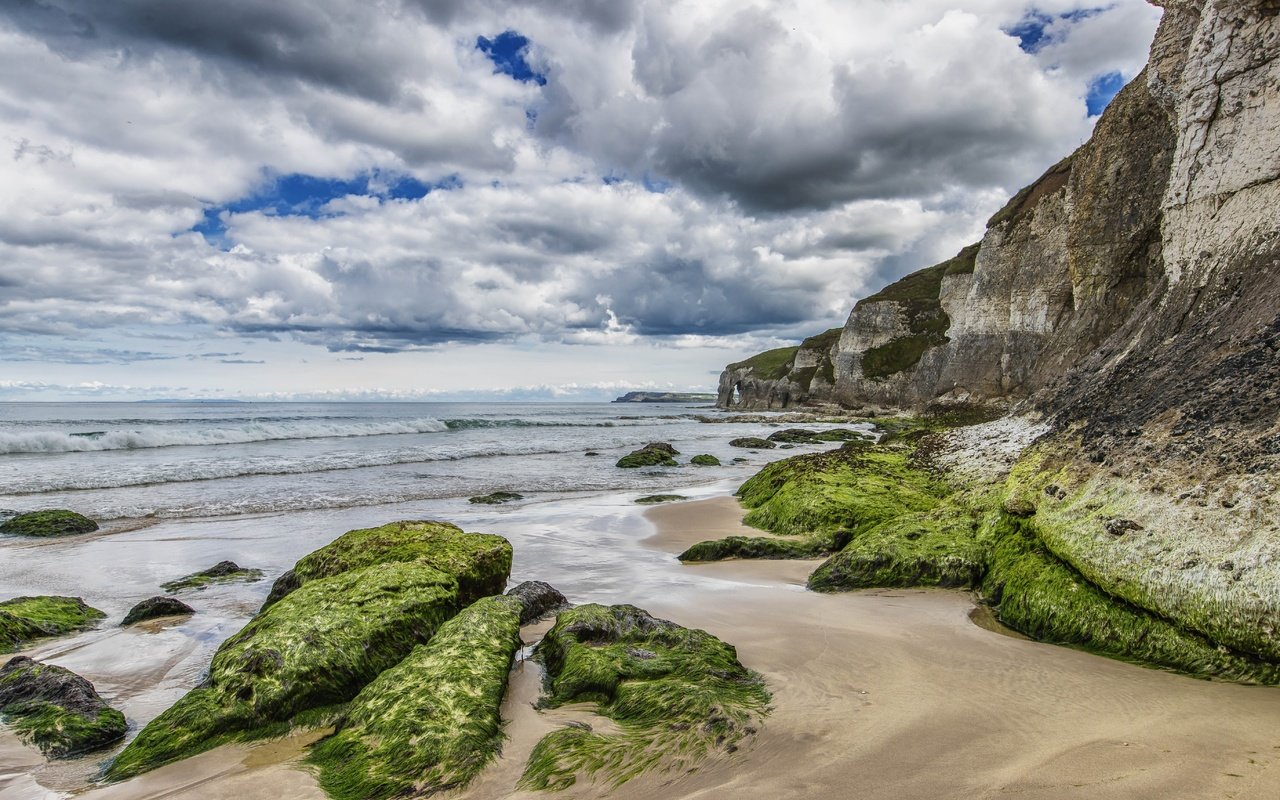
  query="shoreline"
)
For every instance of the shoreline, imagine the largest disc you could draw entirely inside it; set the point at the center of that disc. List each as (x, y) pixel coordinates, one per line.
(896, 692)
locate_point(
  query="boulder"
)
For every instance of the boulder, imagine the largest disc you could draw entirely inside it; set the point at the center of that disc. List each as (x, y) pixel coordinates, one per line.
(55, 709)
(495, 498)
(539, 599)
(158, 606)
(48, 523)
(654, 454)
(753, 443)
(222, 572)
(705, 460)
(23, 619)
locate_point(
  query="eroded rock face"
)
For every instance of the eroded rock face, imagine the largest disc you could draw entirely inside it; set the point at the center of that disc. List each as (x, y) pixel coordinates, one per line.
(1156, 237)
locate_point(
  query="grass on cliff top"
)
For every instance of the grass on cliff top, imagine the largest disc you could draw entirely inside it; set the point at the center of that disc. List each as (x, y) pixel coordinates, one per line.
(317, 647)
(770, 365)
(24, 619)
(479, 561)
(432, 722)
(57, 522)
(676, 693)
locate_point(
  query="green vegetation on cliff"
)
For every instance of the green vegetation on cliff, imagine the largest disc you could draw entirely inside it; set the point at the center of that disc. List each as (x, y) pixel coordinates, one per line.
(676, 693)
(24, 619)
(769, 365)
(48, 523)
(432, 722)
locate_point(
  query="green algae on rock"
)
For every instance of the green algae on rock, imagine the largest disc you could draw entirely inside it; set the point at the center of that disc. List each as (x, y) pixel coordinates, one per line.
(222, 572)
(55, 709)
(654, 454)
(762, 547)
(495, 498)
(676, 693)
(655, 499)
(479, 561)
(24, 619)
(432, 722)
(705, 460)
(316, 648)
(57, 522)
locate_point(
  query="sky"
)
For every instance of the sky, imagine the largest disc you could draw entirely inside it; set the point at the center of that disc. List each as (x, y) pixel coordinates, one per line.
(501, 199)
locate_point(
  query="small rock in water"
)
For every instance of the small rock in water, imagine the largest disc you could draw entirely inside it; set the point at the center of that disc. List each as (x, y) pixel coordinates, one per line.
(218, 573)
(158, 606)
(55, 709)
(495, 498)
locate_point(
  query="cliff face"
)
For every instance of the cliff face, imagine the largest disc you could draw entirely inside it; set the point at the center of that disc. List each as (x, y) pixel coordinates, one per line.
(1153, 244)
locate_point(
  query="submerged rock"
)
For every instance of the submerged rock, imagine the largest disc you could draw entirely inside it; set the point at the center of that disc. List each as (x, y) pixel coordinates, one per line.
(23, 619)
(432, 722)
(222, 572)
(705, 460)
(495, 498)
(654, 454)
(48, 523)
(752, 442)
(677, 694)
(158, 606)
(539, 599)
(654, 499)
(360, 606)
(55, 709)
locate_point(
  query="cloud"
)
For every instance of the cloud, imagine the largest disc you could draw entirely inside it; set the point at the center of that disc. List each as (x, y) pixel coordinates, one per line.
(598, 174)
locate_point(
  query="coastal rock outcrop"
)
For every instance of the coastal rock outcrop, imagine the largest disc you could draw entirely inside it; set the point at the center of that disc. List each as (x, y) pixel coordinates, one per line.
(23, 619)
(58, 522)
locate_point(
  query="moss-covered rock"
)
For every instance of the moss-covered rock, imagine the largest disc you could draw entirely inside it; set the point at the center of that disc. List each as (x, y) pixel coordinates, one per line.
(539, 599)
(1036, 593)
(154, 607)
(222, 572)
(677, 694)
(317, 647)
(762, 547)
(431, 722)
(752, 443)
(55, 709)
(57, 522)
(655, 499)
(939, 547)
(495, 498)
(24, 619)
(852, 488)
(479, 561)
(705, 460)
(654, 454)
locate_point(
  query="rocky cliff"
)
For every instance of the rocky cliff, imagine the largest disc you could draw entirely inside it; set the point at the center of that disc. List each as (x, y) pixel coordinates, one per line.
(1157, 237)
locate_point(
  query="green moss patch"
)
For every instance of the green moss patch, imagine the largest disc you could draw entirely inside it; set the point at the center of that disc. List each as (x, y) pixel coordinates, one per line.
(48, 524)
(24, 619)
(655, 499)
(480, 562)
(705, 460)
(676, 693)
(938, 547)
(1036, 593)
(222, 572)
(495, 498)
(852, 488)
(55, 709)
(764, 547)
(752, 443)
(432, 722)
(317, 647)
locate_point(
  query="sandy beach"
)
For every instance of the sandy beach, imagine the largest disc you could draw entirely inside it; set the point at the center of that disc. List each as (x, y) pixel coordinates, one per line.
(885, 694)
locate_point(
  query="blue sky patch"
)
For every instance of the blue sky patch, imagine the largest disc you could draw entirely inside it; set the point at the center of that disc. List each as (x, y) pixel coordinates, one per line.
(1032, 30)
(299, 195)
(507, 51)
(1101, 90)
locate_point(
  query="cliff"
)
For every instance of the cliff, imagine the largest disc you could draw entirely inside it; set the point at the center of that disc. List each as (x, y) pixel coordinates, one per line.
(1154, 238)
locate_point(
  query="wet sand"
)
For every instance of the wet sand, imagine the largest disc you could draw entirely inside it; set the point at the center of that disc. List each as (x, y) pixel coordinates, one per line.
(886, 694)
